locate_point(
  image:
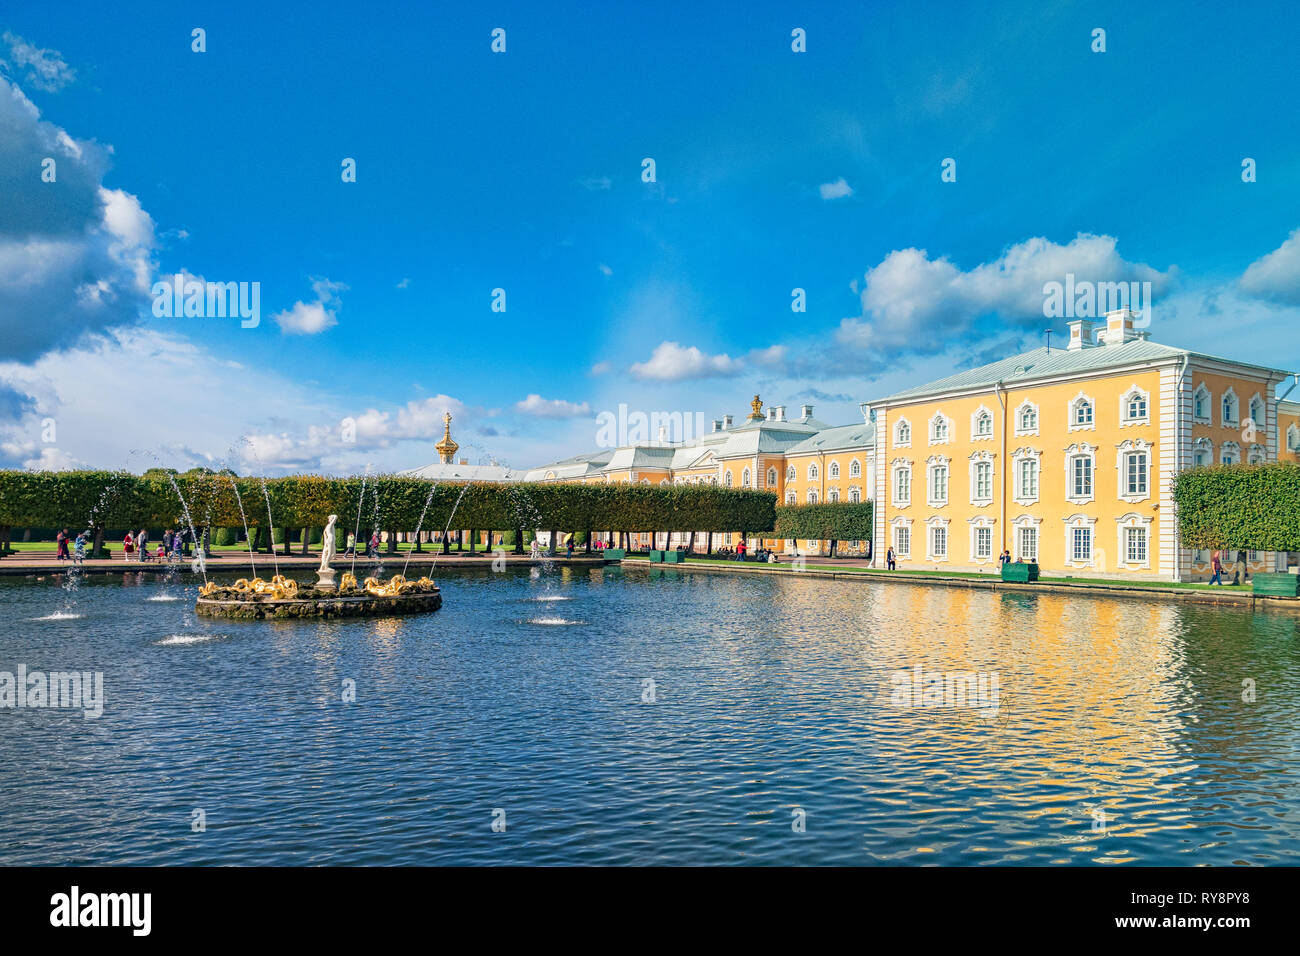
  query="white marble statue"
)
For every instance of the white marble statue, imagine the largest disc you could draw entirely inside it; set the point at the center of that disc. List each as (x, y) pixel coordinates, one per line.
(325, 575)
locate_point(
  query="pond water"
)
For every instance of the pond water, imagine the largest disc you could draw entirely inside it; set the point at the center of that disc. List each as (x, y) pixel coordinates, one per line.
(648, 716)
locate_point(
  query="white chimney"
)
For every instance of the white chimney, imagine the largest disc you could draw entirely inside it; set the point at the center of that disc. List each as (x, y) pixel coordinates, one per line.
(717, 425)
(663, 434)
(771, 414)
(780, 413)
(1082, 334)
(806, 411)
(1119, 326)
(726, 422)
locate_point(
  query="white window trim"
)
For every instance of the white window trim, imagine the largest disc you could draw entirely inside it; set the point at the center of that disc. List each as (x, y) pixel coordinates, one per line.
(833, 471)
(833, 496)
(772, 474)
(1074, 404)
(1250, 411)
(1037, 421)
(812, 496)
(933, 462)
(744, 478)
(1121, 469)
(1131, 520)
(791, 497)
(980, 521)
(813, 473)
(855, 469)
(1256, 454)
(894, 525)
(1021, 455)
(1293, 437)
(1230, 393)
(897, 465)
(930, 429)
(1081, 521)
(1084, 450)
(978, 458)
(1229, 448)
(902, 442)
(1203, 445)
(855, 494)
(1027, 521)
(1124, 420)
(930, 525)
(1208, 417)
(791, 474)
(974, 419)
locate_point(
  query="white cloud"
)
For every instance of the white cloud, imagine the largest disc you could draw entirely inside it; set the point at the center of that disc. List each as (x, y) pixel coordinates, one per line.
(309, 318)
(772, 357)
(75, 257)
(46, 69)
(405, 283)
(836, 190)
(912, 303)
(602, 368)
(605, 269)
(1276, 276)
(671, 362)
(552, 408)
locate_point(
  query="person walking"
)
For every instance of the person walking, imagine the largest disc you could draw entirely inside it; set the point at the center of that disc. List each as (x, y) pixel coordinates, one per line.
(568, 548)
(890, 563)
(128, 547)
(81, 548)
(352, 544)
(142, 543)
(374, 545)
(1216, 562)
(62, 538)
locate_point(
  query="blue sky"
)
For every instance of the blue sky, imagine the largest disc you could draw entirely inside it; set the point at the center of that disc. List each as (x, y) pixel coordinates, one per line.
(523, 171)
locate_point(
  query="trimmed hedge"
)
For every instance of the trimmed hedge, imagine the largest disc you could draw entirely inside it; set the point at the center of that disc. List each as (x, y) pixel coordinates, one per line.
(1240, 506)
(839, 521)
(99, 499)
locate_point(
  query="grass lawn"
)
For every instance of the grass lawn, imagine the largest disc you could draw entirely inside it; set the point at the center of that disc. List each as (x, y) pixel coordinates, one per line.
(969, 575)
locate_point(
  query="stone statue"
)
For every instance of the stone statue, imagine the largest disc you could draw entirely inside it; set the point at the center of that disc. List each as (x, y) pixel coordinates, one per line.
(325, 575)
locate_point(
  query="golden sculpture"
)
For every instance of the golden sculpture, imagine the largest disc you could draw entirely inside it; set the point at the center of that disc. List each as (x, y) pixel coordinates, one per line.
(349, 581)
(757, 414)
(446, 448)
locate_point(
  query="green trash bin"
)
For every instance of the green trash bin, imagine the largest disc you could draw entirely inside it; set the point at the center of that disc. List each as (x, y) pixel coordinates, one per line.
(1276, 584)
(1020, 572)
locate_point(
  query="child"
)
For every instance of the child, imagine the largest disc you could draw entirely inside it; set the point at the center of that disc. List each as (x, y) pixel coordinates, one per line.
(128, 547)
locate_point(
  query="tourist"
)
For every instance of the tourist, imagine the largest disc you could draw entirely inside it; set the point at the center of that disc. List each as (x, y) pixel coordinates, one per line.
(352, 544)
(128, 547)
(374, 546)
(889, 559)
(1216, 562)
(62, 538)
(740, 550)
(81, 547)
(1005, 556)
(142, 542)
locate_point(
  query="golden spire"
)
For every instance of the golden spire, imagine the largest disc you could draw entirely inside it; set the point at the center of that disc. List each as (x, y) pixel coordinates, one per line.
(757, 414)
(446, 447)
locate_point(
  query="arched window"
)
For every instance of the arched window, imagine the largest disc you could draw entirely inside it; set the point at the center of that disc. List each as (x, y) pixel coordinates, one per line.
(744, 478)
(903, 433)
(1134, 407)
(812, 496)
(1201, 404)
(1293, 438)
(789, 473)
(835, 469)
(726, 479)
(1027, 419)
(982, 427)
(790, 498)
(1081, 413)
(855, 495)
(855, 469)
(1257, 411)
(771, 477)
(833, 495)
(939, 429)
(1229, 408)
(813, 472)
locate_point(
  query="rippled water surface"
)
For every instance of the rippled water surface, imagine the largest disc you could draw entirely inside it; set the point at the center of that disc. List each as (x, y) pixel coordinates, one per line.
(1120, 735)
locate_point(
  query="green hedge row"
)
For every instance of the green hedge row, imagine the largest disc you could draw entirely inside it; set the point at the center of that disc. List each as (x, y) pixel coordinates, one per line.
(99, 499)
(1240, 506)
(840, 521)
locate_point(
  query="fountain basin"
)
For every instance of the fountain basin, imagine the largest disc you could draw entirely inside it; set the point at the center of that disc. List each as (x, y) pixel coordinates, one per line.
(261, 602)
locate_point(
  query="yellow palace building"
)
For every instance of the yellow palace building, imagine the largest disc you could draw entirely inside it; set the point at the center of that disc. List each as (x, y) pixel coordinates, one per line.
(1067, 456)
(1062, 456)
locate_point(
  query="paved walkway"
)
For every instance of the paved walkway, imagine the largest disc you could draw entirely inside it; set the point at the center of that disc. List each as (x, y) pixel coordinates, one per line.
(32, 562)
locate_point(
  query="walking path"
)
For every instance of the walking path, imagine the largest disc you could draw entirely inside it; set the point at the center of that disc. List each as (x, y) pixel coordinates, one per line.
(860, 570)
(35, 562)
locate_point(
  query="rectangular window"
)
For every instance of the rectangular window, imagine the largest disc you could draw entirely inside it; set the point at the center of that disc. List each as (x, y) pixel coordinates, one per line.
(902, 486)
(1029, 478)
(1081, 544)
(983, 480)
(983, 543)
(1082, 477)
(1135, 545)
(903, 541)
(1029, 544)
(1136, 472)
(939, 542)
(939, 484)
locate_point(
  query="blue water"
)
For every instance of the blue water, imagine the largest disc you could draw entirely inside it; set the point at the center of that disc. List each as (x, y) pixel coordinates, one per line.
(771, 700)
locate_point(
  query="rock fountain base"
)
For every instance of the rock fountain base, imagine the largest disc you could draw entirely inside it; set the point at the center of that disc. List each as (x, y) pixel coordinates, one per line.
(282, 599)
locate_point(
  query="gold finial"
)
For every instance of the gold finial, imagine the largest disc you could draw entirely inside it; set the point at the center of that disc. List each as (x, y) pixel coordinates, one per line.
(757, 414)
(446, 447)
